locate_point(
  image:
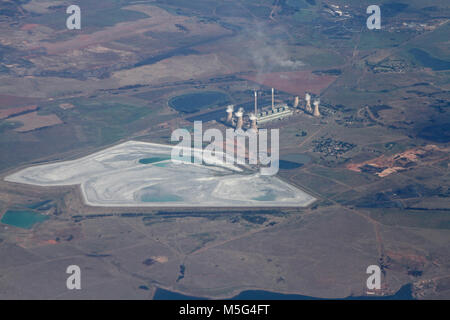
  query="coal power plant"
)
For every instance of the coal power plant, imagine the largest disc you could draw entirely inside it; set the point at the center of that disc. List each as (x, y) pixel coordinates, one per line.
(277, 110)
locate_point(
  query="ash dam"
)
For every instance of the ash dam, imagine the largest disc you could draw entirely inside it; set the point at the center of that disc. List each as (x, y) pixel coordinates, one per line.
(142, 174)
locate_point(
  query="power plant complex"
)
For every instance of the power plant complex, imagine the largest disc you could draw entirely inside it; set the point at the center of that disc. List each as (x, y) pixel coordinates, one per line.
(269, 113)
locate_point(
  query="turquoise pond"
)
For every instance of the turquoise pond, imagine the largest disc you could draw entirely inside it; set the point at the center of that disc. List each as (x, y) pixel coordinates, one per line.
(161, 164)
(153, 160)
(161, 161)
(22, 219)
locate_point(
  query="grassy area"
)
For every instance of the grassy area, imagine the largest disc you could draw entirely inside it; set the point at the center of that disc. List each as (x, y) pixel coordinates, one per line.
(107, 18)
(198, 6)
(8, 125)
(433, 219)
(321, 185)
(92, 122)
(202, 238)
(372, 39)
(345, 176)
(305, 15)
(93, 15)
(324, 60)
(434, 43)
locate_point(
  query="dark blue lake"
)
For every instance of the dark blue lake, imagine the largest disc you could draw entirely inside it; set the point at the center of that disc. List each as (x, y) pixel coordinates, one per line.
(194, 102)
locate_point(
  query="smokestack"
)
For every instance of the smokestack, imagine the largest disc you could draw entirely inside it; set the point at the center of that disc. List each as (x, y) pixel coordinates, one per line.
(240, 122)
(316, 108)
(296, 100)
(272, 100)
(256, 102)
(308, 103)
(253, 120)
(230, 109)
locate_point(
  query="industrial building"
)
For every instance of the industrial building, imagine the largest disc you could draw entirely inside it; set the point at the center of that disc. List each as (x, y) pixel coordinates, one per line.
(274, 112)
(270, 113)
(279, 111)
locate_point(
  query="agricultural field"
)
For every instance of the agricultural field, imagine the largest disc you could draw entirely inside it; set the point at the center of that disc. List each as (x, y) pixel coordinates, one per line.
(32, 121)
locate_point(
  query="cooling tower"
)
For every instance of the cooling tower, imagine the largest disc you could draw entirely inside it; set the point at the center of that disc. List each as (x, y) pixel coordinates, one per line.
(296, 101)
(316, 108)
(230, 109)
(239, 115)
(308, 103)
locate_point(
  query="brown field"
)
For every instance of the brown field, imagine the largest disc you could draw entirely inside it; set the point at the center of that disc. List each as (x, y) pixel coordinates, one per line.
(297, 82)
(173, 69)
(13, 111)
(8, 100)
(29, 26)
(32, 121)
(159, 20)
(104, 36)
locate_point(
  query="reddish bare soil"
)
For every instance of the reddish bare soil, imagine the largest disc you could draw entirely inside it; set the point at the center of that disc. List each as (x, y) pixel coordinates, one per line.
(29, 26)
(9, 101)
(296, 82)
(401, 161)
(13, 111)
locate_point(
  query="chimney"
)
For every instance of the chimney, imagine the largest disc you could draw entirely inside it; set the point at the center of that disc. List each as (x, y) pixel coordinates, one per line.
(296, 100)
(240, 121)
(316, 108)
(273, 106)
(308, 103)
(253, 119)
(230, 109)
